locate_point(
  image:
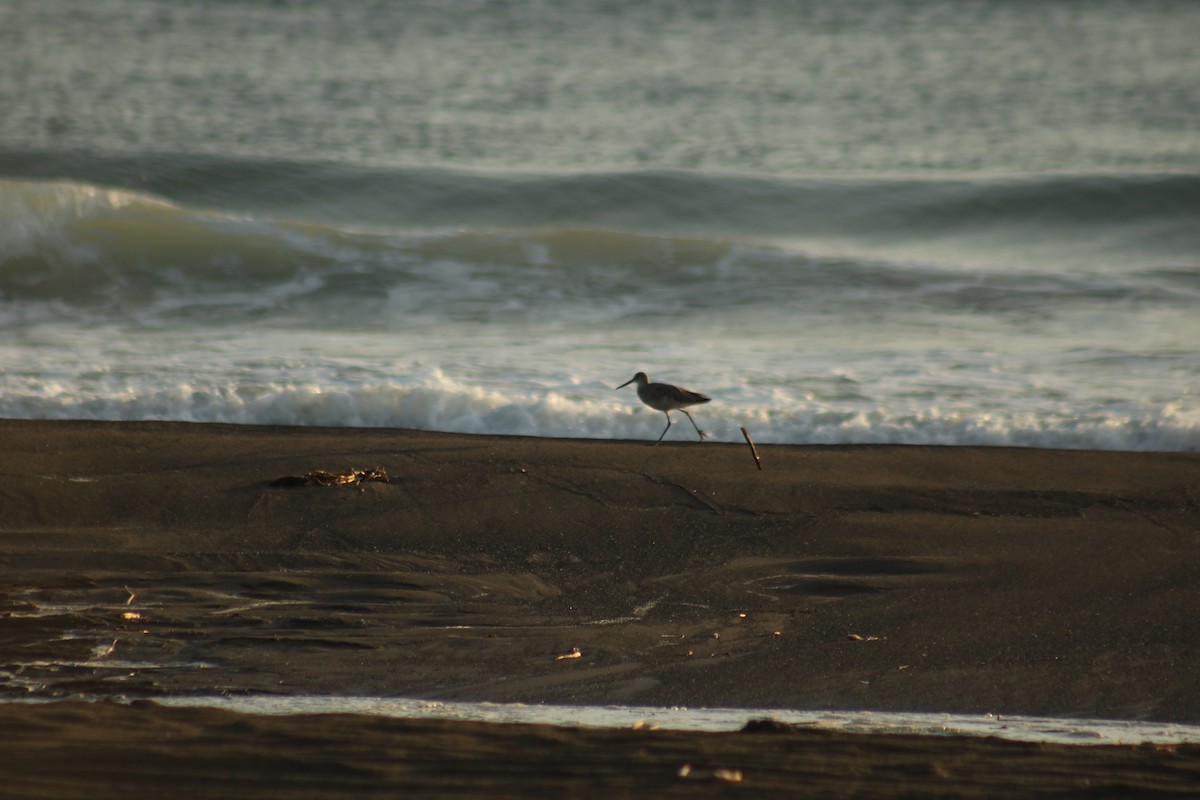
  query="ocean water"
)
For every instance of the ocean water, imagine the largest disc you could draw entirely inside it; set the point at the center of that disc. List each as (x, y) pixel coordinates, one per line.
(945, 221)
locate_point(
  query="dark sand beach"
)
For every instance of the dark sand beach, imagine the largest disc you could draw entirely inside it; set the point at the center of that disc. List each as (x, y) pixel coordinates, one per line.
(144, 560)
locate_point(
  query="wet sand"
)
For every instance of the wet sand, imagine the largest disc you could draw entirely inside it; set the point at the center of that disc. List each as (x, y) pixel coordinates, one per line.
(150, 559)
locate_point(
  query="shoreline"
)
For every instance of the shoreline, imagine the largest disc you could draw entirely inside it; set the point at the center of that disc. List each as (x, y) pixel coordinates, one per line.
(147, 750)
(156, 559)
(704, 719)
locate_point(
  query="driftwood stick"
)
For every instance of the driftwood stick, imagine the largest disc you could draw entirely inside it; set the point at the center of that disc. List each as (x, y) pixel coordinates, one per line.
(753, 449)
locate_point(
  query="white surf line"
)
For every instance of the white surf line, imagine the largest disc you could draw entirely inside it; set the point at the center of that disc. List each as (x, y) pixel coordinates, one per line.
(1011, 727)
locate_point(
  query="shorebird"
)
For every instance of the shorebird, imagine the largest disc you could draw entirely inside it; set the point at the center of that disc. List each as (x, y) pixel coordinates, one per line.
(667, 398)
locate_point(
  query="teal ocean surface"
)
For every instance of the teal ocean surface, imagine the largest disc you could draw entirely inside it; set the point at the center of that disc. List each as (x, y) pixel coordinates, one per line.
(948, 221)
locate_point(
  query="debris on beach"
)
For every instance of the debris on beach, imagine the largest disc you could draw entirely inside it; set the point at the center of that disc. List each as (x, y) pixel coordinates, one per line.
(688, 772)
(319, 477)
(753, 449)
(575, 653)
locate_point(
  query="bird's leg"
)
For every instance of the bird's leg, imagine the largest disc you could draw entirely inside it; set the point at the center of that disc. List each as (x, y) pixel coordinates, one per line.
(664, 433)
(694, 425)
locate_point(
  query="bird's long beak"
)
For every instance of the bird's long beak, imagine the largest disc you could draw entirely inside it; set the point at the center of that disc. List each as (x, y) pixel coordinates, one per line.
(626, 383)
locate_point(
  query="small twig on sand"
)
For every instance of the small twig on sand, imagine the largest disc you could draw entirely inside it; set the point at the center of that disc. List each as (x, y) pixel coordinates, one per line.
(753, 449)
